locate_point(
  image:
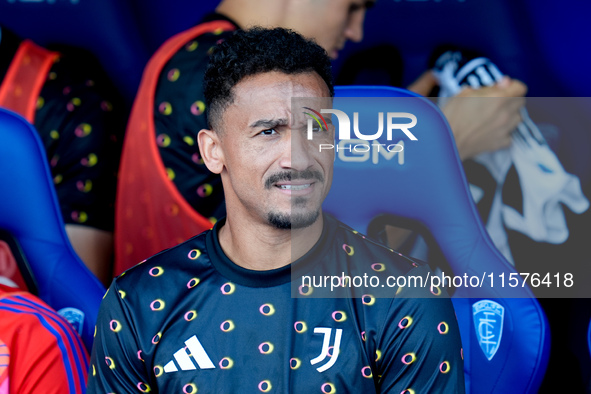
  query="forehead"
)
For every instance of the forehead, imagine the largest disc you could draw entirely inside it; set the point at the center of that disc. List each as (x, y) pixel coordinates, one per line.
(270, 94)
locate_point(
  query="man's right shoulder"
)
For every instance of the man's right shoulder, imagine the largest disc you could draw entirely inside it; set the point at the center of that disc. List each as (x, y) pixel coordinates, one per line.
(191, 254)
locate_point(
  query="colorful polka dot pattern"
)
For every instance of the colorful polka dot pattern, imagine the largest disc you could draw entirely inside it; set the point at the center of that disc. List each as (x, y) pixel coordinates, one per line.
(279, 335)
(179, 114)
(81, 121)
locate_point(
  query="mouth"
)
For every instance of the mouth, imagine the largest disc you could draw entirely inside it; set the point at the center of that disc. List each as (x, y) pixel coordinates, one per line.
(297, 188)
(294, 182)
(294, 187)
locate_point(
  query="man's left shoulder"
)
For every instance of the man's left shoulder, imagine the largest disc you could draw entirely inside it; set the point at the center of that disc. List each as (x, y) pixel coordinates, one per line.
(362, 248)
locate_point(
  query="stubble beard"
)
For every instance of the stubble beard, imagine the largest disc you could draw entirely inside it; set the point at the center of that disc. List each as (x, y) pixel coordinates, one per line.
(290, 221)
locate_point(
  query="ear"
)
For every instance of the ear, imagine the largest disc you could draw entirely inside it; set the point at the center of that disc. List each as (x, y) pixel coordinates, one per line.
(211, 150)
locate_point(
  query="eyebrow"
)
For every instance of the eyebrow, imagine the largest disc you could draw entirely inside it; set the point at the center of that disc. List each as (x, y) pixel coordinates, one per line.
(269, 123)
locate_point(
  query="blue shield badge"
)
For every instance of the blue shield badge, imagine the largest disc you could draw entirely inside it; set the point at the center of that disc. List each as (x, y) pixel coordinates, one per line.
(75, 317)
(488, 322)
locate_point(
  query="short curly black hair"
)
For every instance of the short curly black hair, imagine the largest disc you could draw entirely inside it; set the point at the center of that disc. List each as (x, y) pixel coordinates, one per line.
(259, 50)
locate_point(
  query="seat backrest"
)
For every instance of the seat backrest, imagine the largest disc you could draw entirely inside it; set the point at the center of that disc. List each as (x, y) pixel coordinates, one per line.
(505, 341)
(30, 212)
(107, 28)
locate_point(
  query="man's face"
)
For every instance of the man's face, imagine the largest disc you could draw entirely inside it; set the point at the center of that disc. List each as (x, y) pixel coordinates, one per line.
(329, 22)
(271, 172)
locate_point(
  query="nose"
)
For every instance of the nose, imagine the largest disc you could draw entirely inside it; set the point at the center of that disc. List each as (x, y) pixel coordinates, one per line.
(354, 29)
(297, 152)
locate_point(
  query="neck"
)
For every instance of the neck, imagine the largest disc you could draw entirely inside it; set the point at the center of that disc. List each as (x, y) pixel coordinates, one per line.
(247, 13)
(261, 247)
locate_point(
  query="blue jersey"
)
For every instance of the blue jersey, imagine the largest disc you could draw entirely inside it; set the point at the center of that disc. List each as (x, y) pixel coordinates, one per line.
(189, 320)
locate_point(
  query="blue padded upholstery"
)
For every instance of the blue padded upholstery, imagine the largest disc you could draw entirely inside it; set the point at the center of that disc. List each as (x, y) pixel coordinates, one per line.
(30, 212)
(430, 188)
(107, 28)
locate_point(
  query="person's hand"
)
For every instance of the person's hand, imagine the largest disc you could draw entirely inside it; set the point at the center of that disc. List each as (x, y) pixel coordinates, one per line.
(424, 84)
(483, 119)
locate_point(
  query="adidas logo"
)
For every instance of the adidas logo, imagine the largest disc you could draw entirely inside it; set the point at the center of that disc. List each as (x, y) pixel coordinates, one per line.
(183, 359)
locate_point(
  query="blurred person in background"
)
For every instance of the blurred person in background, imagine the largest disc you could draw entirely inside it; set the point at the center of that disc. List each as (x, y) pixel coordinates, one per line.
(170, 110)
(39, 351)
(80, 119)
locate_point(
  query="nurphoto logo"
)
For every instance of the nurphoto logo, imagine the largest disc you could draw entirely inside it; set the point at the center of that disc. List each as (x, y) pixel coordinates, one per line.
(365, 146)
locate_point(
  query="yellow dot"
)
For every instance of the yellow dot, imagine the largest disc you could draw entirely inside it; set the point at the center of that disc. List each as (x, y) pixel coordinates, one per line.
(300, 327)
(266, 348)
(156, 271)
(265, 386)
(339, 316)
(110, 362)
(90, 161)
(156, 338)
(227, 326)
(193, 282)
(267, 309)
(170, 173)
(54, 134)
(40, 102)
(165, 108)
(158, 371)
(157, 305)
(194, 254)
(58, 179)
(85, 186)
(368, 299)
(76, 101)
(163, 140)
(295, 363)
(83, 130)
(174, 74)
(188, 140)
(192, 46)
(80, 217)
(226, 363)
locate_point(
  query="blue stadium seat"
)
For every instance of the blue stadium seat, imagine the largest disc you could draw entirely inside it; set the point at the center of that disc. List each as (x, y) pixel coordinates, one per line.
(505, 340)
(107, 28)
(30, 212)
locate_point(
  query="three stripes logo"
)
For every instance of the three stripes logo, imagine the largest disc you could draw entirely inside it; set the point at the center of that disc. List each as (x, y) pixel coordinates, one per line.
(197, 354)
(184, 361)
